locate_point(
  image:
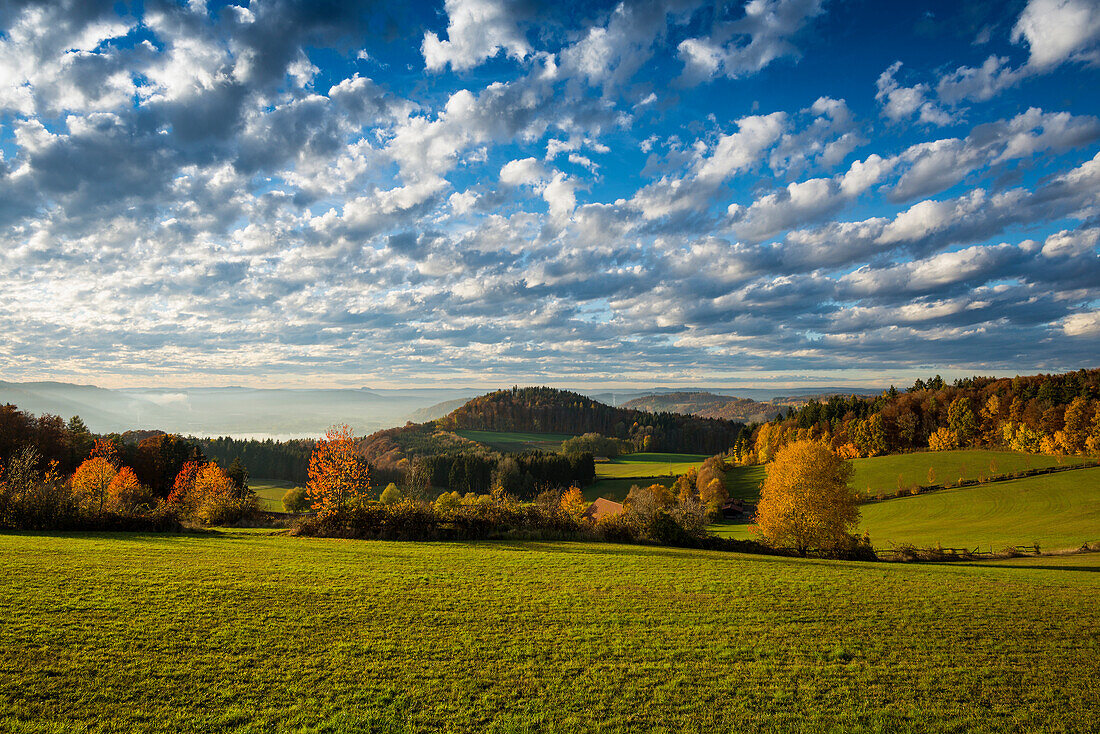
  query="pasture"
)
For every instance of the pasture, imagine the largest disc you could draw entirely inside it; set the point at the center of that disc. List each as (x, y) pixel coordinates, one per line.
(513, 442)
(245, 632)
(881, 473)
(1056, 510)
(648, 465)
(270, 492)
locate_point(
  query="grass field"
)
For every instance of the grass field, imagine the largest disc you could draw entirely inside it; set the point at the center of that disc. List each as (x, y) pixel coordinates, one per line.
(245, 632)
(270, 492)
(648, 465)
(1058, 510)
(516, 442)
(880, 473)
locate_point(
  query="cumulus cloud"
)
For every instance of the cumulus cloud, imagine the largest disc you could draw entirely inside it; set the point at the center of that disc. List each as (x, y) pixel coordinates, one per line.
(477, 30)
(1057, 31)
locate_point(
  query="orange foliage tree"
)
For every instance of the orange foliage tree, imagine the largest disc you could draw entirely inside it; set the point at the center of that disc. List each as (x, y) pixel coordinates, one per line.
(805, 500)
(92, 479)
(338, 473)
(183, 488)
(125, 491)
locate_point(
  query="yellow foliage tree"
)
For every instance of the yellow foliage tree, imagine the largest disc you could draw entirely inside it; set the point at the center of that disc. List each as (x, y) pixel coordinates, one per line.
(943, 439)
(573, 503)
(805, 500)
(91, 481)
(338, 473)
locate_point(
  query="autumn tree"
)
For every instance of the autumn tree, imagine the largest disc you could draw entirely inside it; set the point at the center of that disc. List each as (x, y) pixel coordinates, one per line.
(805, 500)
(338, 473)
(962, 421)
(212, 494)
(183, 488)
(125, 493)
(92, 480)
(573, 503)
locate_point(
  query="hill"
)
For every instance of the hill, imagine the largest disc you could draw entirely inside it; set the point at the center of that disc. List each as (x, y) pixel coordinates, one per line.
(727, 407)
(706, 405)
(434, 412)
(548, 410)
(288, 634)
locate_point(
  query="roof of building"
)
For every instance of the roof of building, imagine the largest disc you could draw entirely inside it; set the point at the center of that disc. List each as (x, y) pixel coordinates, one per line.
(602, 508)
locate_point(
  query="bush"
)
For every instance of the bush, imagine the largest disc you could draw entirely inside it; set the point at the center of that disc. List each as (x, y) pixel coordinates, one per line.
(390, 495)
(295, 500)
(226, 509)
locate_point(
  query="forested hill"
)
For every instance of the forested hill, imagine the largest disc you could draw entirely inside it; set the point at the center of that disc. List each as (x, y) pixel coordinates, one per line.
(1053, 414)
(707, 405)
(548, 410)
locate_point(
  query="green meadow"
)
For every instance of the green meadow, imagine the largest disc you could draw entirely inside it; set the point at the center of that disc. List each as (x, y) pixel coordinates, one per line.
(510, 441)
(648, 465)
(1058, 511)
(881, 473)
(270, 492)
(248, 632)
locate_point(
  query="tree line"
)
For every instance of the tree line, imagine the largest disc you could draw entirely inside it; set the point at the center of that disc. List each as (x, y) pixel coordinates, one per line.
(1047, 413)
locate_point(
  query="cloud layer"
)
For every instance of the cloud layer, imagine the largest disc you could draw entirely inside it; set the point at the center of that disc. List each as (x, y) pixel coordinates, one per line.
(293, 191)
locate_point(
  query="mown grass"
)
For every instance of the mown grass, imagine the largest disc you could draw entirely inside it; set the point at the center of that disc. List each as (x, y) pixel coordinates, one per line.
(245, 633)
(648, 465)
(1058, 510)
(880, 473)
(516, 442)
(270, 492)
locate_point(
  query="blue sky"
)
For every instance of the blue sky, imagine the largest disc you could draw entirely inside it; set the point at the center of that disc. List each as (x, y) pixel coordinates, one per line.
(481, 192)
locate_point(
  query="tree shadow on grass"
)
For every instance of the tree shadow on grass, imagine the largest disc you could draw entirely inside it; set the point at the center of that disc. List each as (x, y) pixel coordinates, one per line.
(136, 536)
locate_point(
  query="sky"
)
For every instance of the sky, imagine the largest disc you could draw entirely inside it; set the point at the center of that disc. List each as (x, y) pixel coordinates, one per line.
(482, 192)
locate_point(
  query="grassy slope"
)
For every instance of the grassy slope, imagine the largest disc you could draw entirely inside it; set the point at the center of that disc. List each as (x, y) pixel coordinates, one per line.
(880, 473)
(246, 632)
(1057, 510)
(516, 442)
(270, 492)
(648, 465)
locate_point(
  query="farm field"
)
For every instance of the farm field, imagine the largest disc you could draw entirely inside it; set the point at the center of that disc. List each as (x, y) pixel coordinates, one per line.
(516, 442)
(270, 492)
(1058, 510)
(880, 473)
(648, 465)
(242, 632)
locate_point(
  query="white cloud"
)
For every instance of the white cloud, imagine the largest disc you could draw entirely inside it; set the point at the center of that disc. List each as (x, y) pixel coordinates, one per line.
(900, 103)
(1082, 324)
(749, 44)
(477, 30)
(1057, 31)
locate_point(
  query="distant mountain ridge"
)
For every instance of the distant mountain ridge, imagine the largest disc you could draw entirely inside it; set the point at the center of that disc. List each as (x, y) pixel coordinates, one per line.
(275, 412)
(710, 405)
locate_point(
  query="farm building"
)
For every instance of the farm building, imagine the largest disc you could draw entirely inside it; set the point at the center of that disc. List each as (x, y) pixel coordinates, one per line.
(602, 508)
